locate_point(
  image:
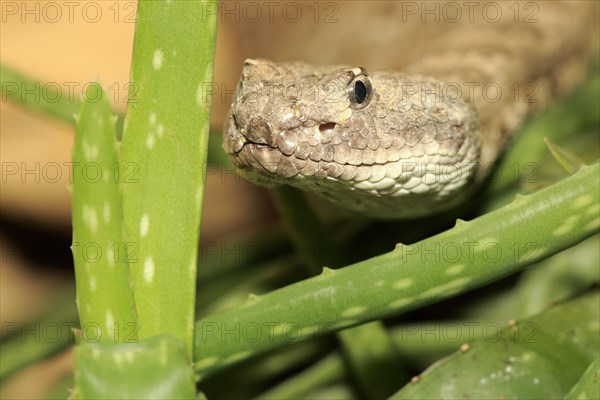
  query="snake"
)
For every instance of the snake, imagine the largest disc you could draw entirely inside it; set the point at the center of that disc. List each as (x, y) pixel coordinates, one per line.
(409, 142)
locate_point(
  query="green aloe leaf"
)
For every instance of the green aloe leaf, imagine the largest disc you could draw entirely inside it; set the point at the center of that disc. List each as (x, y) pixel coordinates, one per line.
(27, 344)
(104, 294)
(163, 155)
(588, 387)
(369, 351)
(155, 368)
(48, 98)
(470, 255)
(537, 358)
(328, 370)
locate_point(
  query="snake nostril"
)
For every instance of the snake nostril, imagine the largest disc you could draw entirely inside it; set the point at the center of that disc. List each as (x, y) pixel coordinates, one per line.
(327, 128)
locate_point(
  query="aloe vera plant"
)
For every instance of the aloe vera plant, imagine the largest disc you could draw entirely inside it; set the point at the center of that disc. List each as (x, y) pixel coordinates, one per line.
(152, 326)
(147, 283)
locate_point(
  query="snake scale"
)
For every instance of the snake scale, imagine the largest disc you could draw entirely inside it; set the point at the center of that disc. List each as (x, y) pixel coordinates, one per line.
(414, 141)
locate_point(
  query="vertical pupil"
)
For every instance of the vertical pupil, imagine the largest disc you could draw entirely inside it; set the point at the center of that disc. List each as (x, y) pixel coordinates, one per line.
(360, 92)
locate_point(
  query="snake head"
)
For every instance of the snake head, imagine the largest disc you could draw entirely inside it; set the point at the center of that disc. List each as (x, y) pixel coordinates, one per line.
(368, 142)
(293, 108)
(292, 95)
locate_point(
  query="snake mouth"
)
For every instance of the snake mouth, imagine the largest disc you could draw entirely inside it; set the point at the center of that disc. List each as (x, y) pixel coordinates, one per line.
(262, 136)
(255, 145)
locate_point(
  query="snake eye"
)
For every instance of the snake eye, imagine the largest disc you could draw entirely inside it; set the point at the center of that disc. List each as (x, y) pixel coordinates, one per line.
(360, 92)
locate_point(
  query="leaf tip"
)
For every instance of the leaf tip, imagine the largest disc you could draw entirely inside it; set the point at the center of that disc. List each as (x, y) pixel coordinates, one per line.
(459, 222)
(518, 198)
(252, 297)
(583, 167)
(568, 161)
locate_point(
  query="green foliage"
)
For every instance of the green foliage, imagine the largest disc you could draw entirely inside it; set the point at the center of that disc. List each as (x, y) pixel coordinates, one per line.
(163, 155)
(371, 353)
(492, 246)
(145, 216)
(588, 386)
(35, 96)
(29, 344)
(155, 368)
(525, 361)
(104, 295)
